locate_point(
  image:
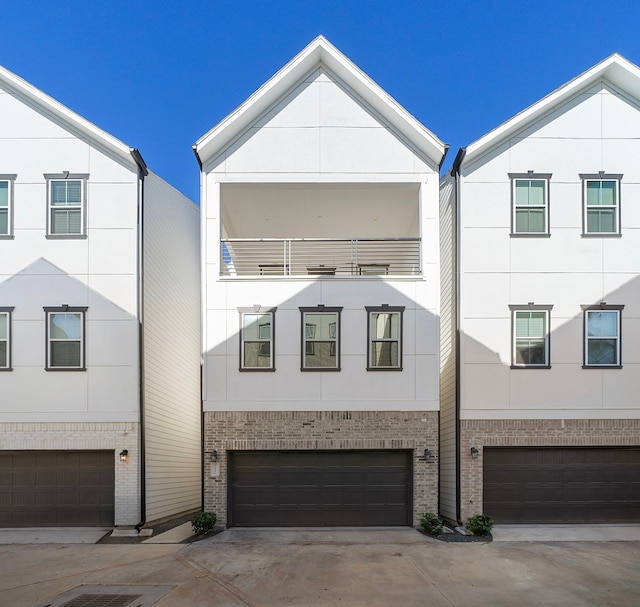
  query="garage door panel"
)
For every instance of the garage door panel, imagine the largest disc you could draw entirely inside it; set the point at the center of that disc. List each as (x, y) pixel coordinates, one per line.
(320, 488)
(54, 488)
(562, 485)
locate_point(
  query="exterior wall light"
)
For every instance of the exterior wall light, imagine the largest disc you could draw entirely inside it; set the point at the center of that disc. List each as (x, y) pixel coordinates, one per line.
(474, 453)
(214, 455)
(124, 455)
(427, 454)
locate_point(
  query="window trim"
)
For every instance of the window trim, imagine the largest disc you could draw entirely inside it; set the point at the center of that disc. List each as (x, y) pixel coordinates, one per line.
(602, 176)
(320, 309)
(83, 178)
(531, 307)
(392, 310)
(8, 310)
(10, 179)
(261, 311)
(82, 310)
(531, 176)
(585, 337)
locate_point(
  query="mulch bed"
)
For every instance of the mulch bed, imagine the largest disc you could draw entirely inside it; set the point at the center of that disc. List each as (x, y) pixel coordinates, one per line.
(458, 537)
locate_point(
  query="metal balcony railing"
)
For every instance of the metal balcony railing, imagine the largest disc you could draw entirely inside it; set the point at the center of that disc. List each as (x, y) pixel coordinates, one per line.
(319, 256)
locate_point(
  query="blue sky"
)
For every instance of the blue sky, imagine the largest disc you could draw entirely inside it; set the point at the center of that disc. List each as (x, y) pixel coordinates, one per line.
(159, 74)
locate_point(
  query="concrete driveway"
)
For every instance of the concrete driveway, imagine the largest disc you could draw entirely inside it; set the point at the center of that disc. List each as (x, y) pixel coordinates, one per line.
(381, 567)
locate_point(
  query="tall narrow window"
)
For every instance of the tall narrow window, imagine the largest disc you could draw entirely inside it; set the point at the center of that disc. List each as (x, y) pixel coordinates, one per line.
(384, 337)
(602, 326)
(601, 204)
(6, 205)
(320, 338)
(257, 333)
(530, 204)
(530, 336)
(5, 339)
(66, 205)
(65, 338)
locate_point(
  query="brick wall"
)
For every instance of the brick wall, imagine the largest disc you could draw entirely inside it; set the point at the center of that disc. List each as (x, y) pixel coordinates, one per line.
(62, 436)
(531, 433)
(326, 430)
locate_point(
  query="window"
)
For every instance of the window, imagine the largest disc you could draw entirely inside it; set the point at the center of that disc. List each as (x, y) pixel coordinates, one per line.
(5, 339)
(257, 330)
(530, 341)
(601, 204)
(320, 339)
(384, 338)
(65, 338)
(6, 205)
(530, 204)
(602, 336)
(66, 205)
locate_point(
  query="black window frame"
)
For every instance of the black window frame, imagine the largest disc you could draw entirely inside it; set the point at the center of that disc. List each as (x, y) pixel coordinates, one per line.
(66, 176)
(304, 343)
(531, 176)
(8, 310)
(64, 309)
(531, 307)
(602, 176)
(258, 311)
(604, 307)
(385, 308)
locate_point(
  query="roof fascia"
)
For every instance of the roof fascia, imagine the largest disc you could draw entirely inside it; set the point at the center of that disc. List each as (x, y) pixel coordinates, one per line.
(58, 112)
(615, 69)
(319, 53)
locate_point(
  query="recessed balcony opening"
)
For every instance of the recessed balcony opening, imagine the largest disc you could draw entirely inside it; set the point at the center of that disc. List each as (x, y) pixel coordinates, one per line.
(320, 229)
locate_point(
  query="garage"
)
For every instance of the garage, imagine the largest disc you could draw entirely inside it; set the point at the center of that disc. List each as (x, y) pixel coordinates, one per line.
(562, 485)
(56, 488)
(320, 488)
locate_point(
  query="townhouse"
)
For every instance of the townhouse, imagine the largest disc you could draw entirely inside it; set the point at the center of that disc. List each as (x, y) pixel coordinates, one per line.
(99, 325)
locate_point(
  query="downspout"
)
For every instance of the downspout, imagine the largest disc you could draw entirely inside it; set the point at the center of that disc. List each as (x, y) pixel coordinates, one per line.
(455, 172)
(143, 171)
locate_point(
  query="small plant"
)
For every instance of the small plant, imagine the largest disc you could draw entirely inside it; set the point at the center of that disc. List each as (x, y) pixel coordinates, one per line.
(431, 523)
(202, 524)
(479, 524)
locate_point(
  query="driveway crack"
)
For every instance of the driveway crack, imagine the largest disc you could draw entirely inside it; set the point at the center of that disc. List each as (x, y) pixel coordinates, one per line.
(428, 579)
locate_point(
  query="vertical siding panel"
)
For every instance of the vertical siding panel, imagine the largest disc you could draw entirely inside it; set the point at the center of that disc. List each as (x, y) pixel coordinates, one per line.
(171, 321)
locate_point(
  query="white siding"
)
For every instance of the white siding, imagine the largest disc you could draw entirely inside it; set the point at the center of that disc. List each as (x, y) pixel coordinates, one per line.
(566, 270)
(448, 345)
(171, 287)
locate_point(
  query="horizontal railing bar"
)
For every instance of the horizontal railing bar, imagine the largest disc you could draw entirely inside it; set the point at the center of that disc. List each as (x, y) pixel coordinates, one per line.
(408, 239)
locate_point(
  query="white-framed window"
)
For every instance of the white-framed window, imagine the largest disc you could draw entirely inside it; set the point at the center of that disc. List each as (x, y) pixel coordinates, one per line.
(257, 339)
(320, 350)
(601, 204)
(384, 338)
(530, 204)
(65, 337)
(602, 332)
(530, 347)
(6, 205)
(66, 205)
(5, 338)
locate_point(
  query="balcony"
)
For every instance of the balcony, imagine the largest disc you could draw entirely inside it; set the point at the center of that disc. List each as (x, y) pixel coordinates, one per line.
(320, 256)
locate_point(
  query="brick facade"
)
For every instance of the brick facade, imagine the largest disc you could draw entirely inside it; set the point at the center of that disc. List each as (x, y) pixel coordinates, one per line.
(291, 430)
(531, 433)
(65, 436)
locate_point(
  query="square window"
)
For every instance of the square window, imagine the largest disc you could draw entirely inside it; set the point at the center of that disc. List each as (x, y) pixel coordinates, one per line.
(66, 206)
(530, 204)
(5, 339)
(601, 204)
(602, 336)
(320, 339)
(65, 327)
(530, 348)
(384, 331)
(6, 205)
(256, 340)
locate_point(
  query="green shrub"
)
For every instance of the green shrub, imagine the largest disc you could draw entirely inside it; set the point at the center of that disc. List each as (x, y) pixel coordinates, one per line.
(203, 523)
(431, 523)
(479, 524)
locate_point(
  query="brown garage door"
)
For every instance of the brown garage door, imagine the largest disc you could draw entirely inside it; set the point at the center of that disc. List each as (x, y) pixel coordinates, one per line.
(562, 485)
(320, 488)
(56, 488)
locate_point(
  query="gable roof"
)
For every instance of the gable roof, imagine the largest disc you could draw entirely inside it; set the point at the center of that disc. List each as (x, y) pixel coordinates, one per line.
(615, 69)
(319, 53)
(48, 106)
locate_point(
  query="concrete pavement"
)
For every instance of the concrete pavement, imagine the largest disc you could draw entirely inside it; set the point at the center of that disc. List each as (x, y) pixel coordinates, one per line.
(328, 568)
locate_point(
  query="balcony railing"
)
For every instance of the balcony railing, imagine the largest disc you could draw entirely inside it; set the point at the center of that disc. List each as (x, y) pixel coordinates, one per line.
(319, 256)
